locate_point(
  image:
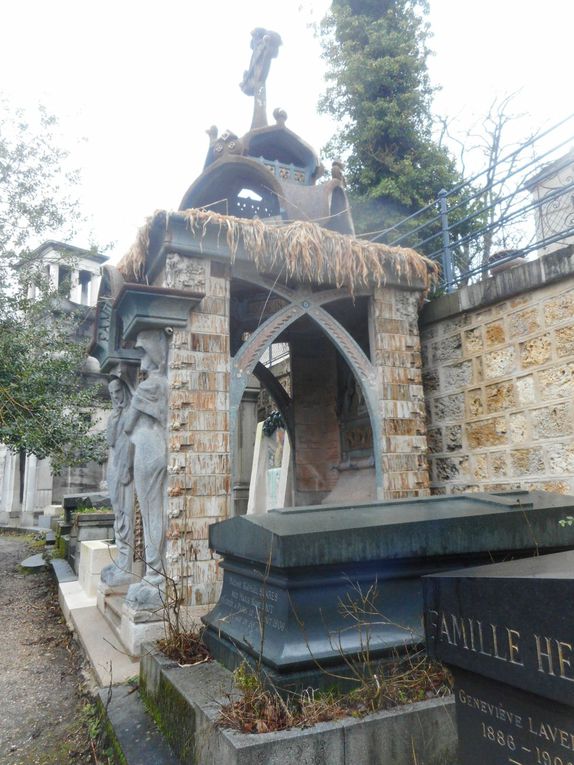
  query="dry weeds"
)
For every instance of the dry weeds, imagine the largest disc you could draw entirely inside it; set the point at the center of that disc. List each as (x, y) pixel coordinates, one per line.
(306, 251)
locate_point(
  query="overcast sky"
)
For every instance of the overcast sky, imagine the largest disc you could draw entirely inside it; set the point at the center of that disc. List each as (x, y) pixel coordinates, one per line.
(136, 83)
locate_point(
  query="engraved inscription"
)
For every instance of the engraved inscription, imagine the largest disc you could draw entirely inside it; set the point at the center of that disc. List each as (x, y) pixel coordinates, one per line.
(552, 657)
(498, 724)
(252, 605)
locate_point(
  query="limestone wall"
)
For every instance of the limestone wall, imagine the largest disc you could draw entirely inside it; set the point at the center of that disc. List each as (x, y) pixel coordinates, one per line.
(499, 382)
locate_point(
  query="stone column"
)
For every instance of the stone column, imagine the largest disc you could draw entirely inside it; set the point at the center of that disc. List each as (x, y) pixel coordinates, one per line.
(54, 275)
(244, 446)
(395, 352)
(199, 482)
(75, 287)
(94, 288)
(29, 500)
(10, 500)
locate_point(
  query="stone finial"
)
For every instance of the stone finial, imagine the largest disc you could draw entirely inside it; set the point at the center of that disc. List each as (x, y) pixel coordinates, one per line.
(212, 132)
(337, 171)
(280, 116)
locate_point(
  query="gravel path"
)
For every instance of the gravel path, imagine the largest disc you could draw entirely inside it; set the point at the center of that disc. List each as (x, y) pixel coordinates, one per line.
(43, 718)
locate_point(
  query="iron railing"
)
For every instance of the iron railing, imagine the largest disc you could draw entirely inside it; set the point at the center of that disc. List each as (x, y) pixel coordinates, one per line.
(520, 206)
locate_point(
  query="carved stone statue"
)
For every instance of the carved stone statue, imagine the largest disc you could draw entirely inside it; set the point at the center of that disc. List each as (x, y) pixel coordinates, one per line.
(120, 485)
(146, 426)
(265, 45)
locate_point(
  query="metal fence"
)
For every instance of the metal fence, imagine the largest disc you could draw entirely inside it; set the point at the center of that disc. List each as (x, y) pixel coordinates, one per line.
(519, 207)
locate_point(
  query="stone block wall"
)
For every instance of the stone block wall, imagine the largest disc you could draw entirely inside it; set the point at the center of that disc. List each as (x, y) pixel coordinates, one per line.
(499, 386)
(396, 355)
(199, 480)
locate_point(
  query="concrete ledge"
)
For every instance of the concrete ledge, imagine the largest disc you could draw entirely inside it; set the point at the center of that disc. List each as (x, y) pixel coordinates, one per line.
(529, 276)
(185, 701)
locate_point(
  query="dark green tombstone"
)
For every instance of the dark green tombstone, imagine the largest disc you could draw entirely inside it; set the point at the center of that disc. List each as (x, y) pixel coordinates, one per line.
(507, 633)
(291, 576)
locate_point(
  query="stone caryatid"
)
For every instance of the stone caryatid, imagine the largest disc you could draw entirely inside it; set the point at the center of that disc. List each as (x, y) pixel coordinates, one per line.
(146, 426)
(265, 45)
(120, 477)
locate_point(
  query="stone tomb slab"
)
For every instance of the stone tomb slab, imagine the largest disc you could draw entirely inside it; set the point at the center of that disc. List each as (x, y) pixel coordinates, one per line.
(293, 577)
(507, 632)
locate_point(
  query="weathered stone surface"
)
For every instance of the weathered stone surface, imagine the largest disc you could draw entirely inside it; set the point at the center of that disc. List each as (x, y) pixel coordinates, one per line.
(490, 432)
(499, 397)
(565, 341)
(535, 352)
(449, 468)
(431, 381)
(453, 438)
(474, 402)
(559, 308)
(561, 458)
(449, 407)
(498, 465)
(519, 430)
(526, 390)
(527, 461)
(523, 322)
(494, 334)
(553, 421)
(434, 436)
(473, 341)
(557, 382)
(456, 375)
(499, 363)
(447, 349)
(480, 467)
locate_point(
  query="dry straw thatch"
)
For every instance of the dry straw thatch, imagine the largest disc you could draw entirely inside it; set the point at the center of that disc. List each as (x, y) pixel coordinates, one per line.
(307, 252)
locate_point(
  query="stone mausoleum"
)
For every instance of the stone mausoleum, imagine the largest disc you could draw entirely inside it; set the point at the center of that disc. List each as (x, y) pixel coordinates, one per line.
(261, 251)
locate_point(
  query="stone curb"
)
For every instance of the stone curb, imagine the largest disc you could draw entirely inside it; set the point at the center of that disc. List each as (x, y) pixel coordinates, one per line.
(185, 702)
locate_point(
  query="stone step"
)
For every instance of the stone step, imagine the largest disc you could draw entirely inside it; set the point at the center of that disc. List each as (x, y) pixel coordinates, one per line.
(34, 563)
(113, 611)
(134, 731)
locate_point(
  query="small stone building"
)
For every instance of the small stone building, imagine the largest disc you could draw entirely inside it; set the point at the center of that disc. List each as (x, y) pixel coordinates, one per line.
(27, 486)
(259, 253)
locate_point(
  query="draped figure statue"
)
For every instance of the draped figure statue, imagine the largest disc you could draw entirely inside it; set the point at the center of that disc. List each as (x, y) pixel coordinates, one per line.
(120, 484)
(146, 426)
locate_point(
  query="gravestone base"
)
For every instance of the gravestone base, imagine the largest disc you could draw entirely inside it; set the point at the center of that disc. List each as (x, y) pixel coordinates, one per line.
(138, 627)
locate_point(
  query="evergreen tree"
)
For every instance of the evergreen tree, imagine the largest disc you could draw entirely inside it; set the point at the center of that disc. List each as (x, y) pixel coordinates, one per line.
(379, 92)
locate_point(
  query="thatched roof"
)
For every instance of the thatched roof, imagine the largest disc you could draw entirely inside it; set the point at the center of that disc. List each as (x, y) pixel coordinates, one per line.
(307, 252)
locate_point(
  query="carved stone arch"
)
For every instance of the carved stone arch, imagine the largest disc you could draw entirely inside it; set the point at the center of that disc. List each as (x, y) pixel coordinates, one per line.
(249, 354)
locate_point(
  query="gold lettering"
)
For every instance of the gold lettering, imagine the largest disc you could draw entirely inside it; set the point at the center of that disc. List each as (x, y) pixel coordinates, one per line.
(472, 644)
(563, 662)
(513, 648)
(458, 631)
(544, 655)
(444, 629)
(481, 640)
(493, 628)
(432, 623)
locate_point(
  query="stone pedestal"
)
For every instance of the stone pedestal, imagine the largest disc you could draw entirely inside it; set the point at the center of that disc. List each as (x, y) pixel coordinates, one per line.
(94, 556)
